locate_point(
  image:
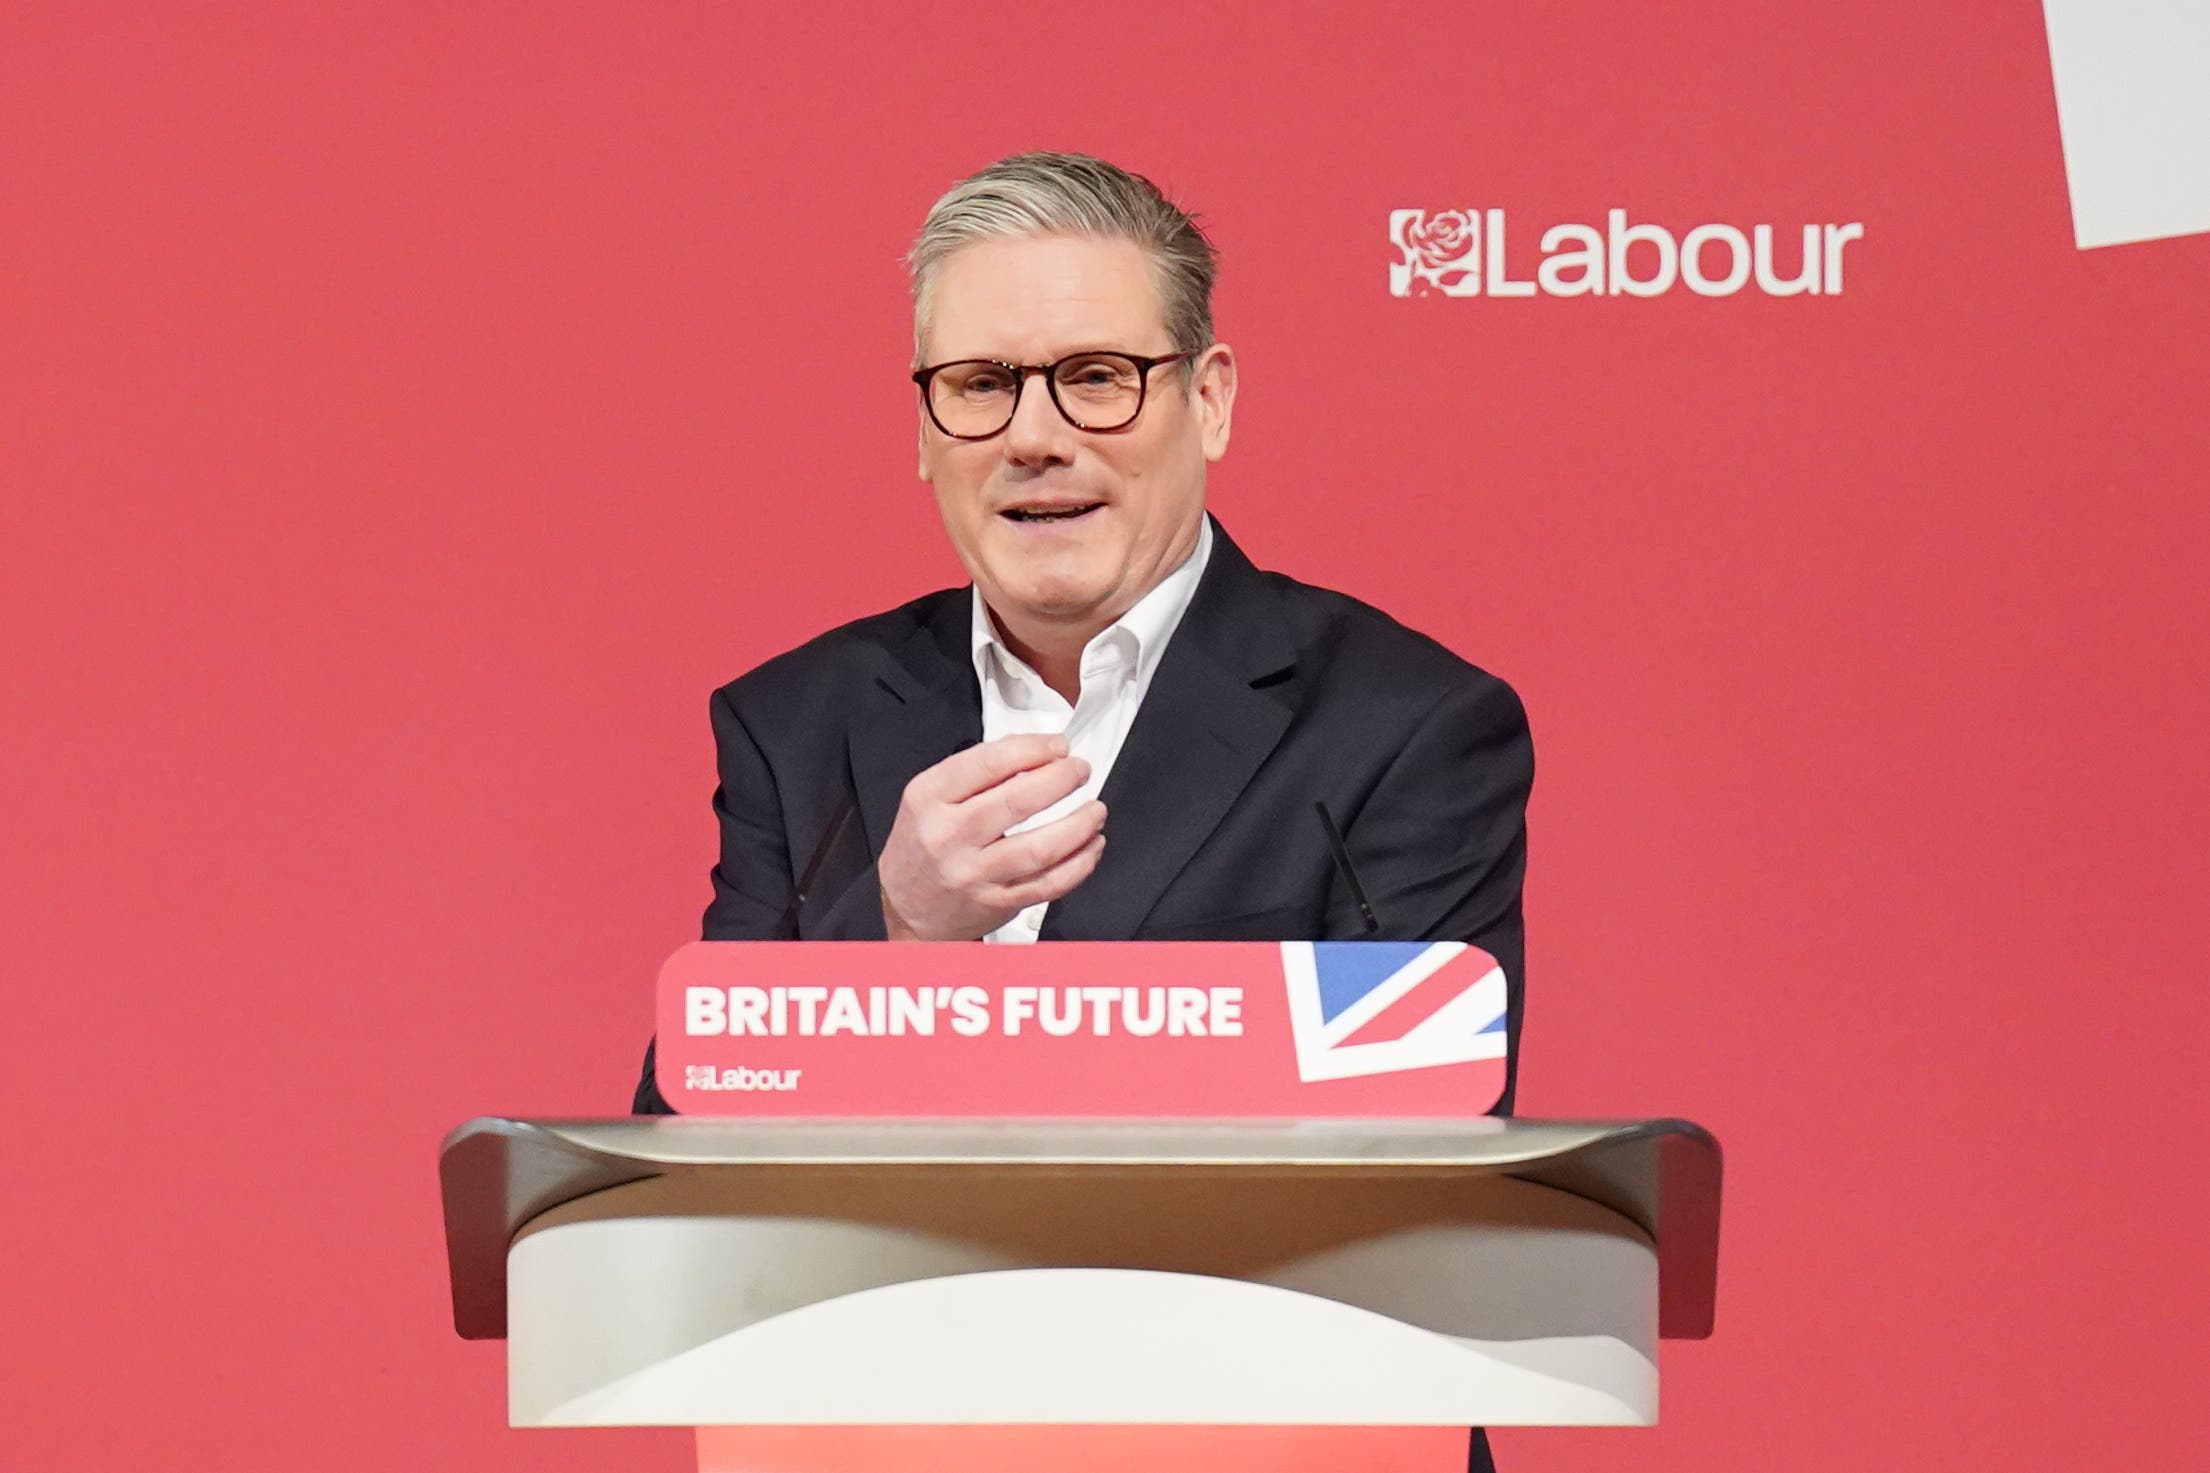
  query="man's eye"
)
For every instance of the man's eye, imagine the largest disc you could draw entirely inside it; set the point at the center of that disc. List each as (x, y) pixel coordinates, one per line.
(984, 384)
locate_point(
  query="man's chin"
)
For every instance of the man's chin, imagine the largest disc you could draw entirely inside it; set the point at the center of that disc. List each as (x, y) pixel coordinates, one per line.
(1056, 603)
(1050, 583)
(1054, 597)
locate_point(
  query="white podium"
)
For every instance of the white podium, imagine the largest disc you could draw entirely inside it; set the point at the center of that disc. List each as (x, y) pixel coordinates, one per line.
(908, 1273)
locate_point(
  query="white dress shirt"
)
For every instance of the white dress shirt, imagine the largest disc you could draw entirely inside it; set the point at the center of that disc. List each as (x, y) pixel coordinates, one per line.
(1117, 666)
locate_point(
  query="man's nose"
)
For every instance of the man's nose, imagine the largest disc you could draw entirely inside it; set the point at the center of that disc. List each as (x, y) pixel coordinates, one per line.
(1039, 434)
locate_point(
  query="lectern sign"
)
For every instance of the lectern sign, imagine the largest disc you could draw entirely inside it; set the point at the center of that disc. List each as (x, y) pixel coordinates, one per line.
(1210, 1029)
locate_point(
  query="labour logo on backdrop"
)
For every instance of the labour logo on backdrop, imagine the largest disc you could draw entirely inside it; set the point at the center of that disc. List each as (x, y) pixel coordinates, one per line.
(1469, 253)
(1380, 1007)
(1439, 252)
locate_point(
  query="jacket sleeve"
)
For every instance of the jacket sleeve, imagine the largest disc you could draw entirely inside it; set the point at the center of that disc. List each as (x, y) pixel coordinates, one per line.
(752, 875)
(1441, 843)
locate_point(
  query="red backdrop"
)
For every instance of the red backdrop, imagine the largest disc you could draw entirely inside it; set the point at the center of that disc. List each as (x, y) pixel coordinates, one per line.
(409, 413)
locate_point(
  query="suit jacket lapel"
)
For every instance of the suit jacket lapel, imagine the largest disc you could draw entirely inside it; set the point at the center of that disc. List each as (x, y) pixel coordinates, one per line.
(1201, 733)
(930, 708)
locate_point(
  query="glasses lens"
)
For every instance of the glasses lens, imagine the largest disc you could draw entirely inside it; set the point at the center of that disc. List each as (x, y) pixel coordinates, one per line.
(1099, 391)
(973, 398)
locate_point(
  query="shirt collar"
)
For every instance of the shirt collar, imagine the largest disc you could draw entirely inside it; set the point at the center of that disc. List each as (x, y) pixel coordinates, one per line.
(1149, 624)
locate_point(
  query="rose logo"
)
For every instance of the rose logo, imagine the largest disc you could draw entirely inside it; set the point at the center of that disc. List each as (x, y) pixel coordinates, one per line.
(1445, 240)
(1439, 253)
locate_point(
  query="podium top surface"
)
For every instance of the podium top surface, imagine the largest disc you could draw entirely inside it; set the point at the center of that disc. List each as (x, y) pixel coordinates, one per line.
(1662, 1175)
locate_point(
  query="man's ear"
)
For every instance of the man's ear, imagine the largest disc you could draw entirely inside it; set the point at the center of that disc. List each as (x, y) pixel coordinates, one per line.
(1212, 387)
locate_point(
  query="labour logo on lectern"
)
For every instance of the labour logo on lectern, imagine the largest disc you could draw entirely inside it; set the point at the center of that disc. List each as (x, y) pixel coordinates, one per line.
(1379, 1007)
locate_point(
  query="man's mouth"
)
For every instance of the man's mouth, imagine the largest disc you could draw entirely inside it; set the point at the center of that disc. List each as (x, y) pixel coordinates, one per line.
(1056, 512)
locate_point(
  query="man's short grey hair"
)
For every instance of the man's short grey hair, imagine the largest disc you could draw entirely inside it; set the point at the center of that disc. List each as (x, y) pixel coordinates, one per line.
(1042, 193)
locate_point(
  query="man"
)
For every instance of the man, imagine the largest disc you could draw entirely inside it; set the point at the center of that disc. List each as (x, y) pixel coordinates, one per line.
(1122, 730)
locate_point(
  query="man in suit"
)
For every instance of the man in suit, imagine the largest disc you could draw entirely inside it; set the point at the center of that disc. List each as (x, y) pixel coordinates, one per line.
(1122, 729)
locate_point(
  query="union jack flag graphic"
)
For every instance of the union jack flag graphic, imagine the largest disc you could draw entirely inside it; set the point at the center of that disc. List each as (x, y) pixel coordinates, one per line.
(1381, 1007)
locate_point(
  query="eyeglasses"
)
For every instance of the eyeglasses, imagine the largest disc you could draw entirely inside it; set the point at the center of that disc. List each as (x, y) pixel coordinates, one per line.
(974, 398)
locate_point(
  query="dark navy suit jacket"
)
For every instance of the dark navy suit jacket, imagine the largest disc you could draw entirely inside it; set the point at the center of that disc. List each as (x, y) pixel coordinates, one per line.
(1271, 695)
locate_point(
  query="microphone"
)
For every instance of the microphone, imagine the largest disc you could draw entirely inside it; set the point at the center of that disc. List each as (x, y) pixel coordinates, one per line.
(786, 929)
(1341, 853)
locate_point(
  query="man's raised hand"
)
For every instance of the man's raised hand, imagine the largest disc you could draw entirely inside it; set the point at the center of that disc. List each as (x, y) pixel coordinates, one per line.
(951, 872)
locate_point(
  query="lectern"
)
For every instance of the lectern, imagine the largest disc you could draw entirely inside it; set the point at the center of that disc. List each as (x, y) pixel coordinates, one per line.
(726, 1273)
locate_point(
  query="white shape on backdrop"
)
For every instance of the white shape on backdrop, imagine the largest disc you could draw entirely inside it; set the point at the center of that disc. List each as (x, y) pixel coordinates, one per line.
(2133, 106)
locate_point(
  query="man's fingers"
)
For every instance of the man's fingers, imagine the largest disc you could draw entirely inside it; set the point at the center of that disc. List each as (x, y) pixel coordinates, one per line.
(1017, 858)
(1058, 880)
(979, 768)
(985, 817)
(949, 862)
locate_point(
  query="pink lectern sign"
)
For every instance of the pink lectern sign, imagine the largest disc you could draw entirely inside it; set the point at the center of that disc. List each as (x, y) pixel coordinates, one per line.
(1298, 1029)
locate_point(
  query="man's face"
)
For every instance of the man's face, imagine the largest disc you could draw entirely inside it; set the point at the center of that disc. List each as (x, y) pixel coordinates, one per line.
(1035, 301)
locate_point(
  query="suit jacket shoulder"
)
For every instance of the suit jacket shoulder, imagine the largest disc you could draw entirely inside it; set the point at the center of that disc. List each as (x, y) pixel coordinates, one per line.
(1390, 671)
(821, 674)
